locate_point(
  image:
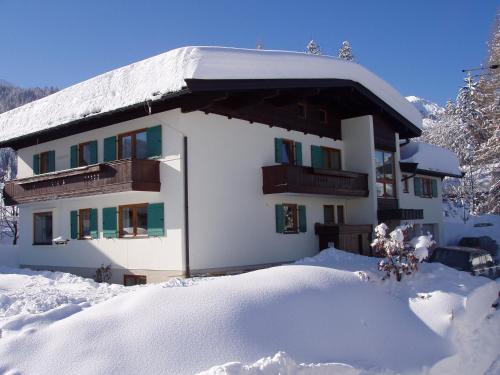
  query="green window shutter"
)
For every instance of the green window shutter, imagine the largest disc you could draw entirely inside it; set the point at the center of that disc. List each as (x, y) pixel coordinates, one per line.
(417, 185)
(298, 153)
(36, 164)
(93, 223)
(434, 188)
(51, 162)
(156, 225)
(74, 156)
(302, 219)
(93, 152)
(74, 224)
(317, 160)
(110, 148)
(154, 141)
(280, 219)
(109, 225)
(278, 146)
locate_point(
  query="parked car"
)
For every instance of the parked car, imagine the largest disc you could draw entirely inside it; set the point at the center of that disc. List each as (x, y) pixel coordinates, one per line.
(476, 261)
(482, 242)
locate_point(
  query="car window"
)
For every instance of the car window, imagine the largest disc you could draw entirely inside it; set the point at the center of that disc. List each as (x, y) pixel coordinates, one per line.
(455, 259)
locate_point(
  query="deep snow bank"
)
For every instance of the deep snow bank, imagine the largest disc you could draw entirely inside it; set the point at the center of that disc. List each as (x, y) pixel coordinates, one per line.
(325, 311)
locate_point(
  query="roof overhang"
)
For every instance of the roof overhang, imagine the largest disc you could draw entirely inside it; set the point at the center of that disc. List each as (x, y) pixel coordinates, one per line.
(413, 169)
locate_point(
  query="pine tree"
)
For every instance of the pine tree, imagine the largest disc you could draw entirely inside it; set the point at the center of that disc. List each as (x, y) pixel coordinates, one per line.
(345, 52)
(313, 48)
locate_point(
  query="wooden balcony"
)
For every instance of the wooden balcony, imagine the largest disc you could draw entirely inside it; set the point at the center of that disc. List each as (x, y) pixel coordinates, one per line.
(309, 180)
(352, 238)
(110, 177)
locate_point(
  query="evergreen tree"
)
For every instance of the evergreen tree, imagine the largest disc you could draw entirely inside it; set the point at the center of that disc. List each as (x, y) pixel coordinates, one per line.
(313, 48)
(345, 52)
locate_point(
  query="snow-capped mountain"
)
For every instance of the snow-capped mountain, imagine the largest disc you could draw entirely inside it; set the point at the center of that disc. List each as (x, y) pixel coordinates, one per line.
(430, 111)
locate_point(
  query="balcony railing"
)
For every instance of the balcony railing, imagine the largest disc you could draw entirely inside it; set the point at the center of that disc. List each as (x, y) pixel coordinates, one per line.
(110, 177)
(309, 180)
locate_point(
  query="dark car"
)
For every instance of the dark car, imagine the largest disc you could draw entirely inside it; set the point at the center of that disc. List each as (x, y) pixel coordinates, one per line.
(482, 242)
(476, 261)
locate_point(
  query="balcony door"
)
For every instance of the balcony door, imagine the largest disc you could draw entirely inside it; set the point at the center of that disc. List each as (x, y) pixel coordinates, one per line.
(133, 145)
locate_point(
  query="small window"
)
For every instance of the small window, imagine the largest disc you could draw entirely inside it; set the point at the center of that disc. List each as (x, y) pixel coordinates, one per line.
(340, 214)
(85, 154)
(133, 145)
(329, 214)
(302, 110)
(131, 280)
(42, 228)
(323, 117)
(384, 165)
(290, 224)
(406, 188)
(287, 152)
(44, 163)
(331, 158)
(426, 187)
(133, 220)
(85, 226)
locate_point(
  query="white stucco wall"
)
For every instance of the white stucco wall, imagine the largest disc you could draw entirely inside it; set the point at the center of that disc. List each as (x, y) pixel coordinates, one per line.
(359, 151)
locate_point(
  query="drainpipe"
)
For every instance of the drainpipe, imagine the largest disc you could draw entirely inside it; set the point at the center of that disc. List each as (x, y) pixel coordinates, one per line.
(186, 210)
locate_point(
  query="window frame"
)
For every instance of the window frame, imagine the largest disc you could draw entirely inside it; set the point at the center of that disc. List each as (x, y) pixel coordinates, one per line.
(426, 187)
(326, 159)
(43, 162)
(80, 224)
(290, 144)
(44, 213)
(384, 180)
(80, 153)
(406, 184)
(295, 209)
(135, 278)
(133, 146)
(134, 208)
(332, 206)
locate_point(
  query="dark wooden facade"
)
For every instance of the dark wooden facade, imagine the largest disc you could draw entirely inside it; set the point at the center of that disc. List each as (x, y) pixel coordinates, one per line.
(353, 238)
(309, 180)
(110, 177)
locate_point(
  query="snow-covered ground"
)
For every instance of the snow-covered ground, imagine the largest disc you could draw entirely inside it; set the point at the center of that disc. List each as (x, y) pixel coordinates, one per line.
(322, 315)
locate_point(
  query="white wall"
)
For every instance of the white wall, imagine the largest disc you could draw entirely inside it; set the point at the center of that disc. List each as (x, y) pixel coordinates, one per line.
(358, 139)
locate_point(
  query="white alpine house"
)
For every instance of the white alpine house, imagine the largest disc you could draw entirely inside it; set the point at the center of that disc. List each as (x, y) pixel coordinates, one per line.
(203, 159)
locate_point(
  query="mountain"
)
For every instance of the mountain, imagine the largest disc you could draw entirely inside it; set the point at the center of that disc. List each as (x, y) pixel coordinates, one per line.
(430, 111)
(12, 96)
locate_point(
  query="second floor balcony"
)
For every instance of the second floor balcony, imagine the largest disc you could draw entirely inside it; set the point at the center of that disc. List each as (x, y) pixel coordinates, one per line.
(110, 177)
(309, 180)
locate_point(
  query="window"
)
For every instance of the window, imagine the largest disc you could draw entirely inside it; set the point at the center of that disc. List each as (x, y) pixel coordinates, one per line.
(425, 187)
(406, 188)
(42, 228)
(131, 280)
(44, 162)
(133, 220)
(133, 145)
(384, 164)
(340, 214)
(329, 214)
(84, 224)
(287, 151)
(290, 218)
(85, 154)
(325, 157)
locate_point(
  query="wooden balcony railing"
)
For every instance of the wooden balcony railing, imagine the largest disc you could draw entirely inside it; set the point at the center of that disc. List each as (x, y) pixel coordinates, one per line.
(110, 177)
(309, 180)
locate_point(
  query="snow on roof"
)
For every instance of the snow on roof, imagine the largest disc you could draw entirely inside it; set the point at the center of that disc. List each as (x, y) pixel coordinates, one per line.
(166, 73)
(431, 158)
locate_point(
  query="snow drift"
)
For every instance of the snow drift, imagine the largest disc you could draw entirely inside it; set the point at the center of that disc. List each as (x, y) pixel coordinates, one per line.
(332, 308)
(164, 74)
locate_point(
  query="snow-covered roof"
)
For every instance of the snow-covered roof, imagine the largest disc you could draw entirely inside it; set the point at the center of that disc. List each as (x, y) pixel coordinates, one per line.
(166, 73)
(431, 158)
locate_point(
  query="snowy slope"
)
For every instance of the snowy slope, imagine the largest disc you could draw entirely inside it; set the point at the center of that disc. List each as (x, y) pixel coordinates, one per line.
(331, 312)
(152, 78)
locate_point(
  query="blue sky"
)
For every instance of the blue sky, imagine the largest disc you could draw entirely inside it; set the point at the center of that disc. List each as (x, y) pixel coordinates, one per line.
(419, 47)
